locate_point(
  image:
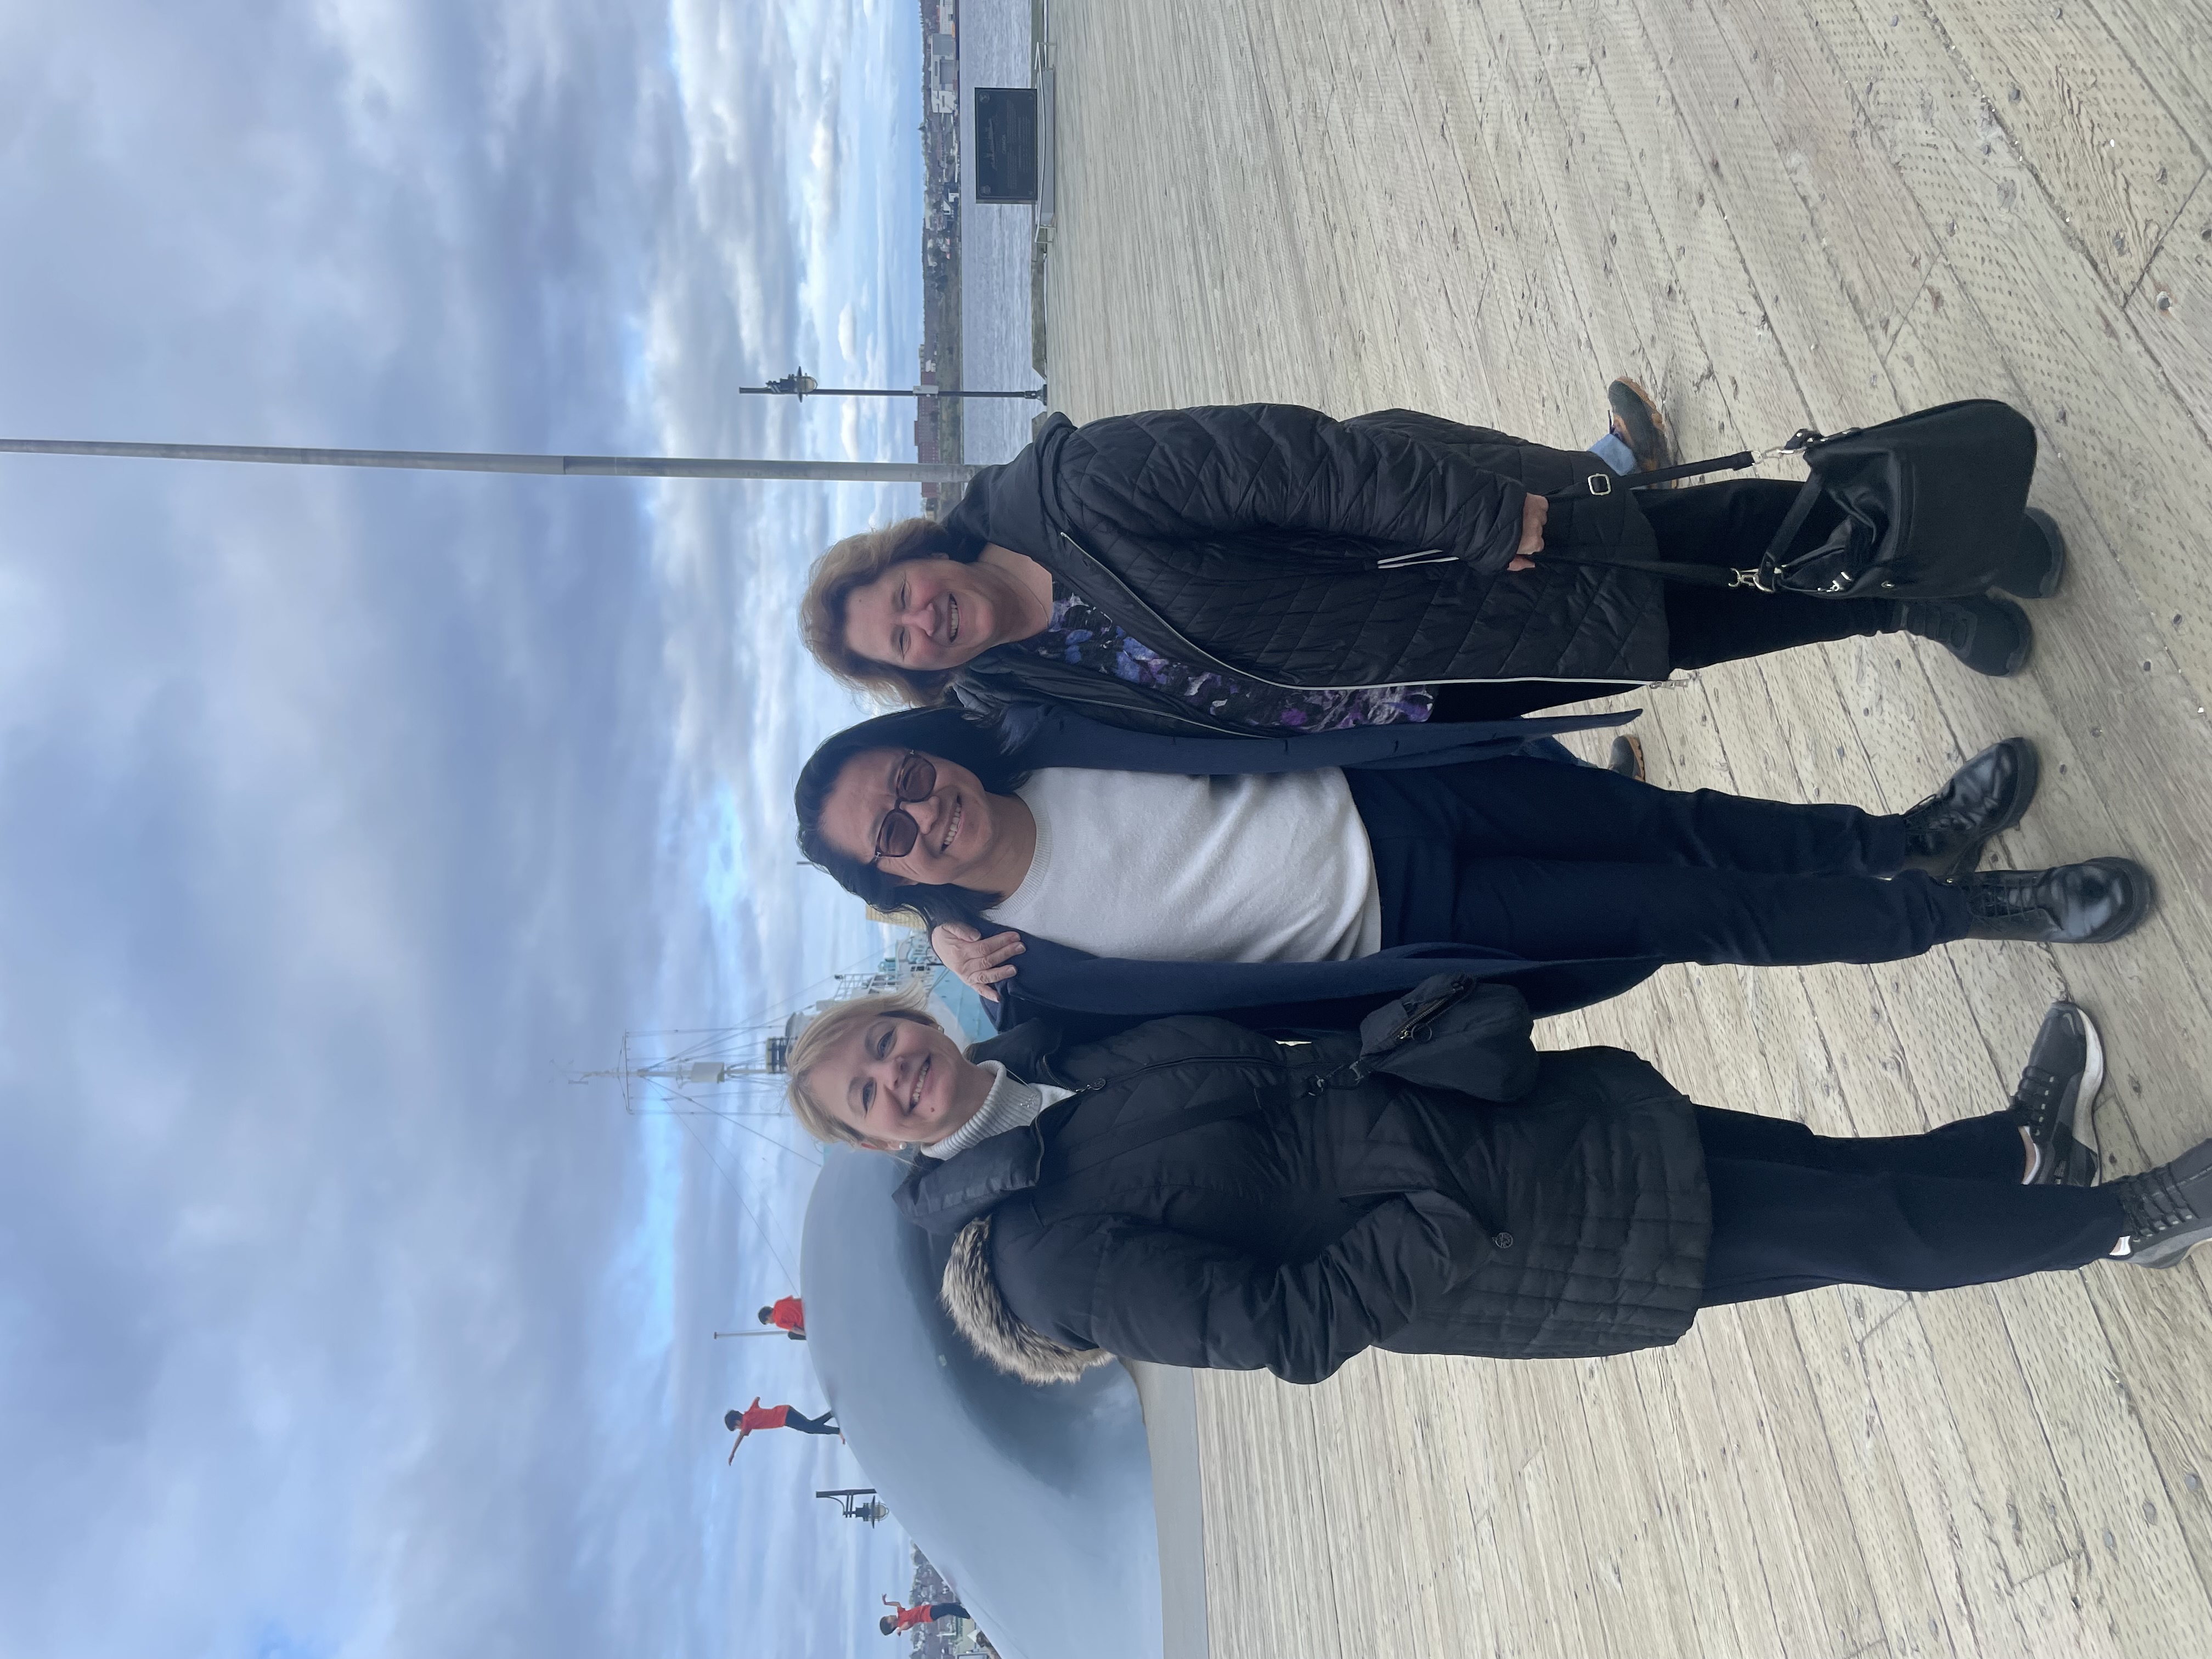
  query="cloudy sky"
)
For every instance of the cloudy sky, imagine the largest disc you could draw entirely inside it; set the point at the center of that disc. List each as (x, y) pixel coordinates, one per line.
(341, 813)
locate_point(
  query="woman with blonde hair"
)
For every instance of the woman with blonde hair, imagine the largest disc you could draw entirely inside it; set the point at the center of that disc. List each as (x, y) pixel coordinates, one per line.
(1194, 1193)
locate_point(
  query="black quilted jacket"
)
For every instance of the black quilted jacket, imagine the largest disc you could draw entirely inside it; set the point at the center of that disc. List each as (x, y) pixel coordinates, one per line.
(1281, 1227)
(1255, 539)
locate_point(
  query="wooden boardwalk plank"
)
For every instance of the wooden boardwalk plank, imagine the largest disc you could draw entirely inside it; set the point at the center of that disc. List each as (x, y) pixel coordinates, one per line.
(2171, 309)
(2115, 163)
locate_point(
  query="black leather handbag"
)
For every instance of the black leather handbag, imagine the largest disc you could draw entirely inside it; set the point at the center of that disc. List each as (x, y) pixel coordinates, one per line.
(1927, 506)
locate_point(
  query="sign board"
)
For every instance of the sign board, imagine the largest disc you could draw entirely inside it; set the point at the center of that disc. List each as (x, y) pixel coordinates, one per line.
(1006, 144)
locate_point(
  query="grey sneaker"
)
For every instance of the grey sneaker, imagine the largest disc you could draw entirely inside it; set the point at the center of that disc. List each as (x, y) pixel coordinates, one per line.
(2056, 1100)
(2169, 1209)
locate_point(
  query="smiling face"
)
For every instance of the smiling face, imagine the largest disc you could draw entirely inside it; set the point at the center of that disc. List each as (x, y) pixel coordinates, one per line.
(926, 614)
(960, 825)
(898, 1083)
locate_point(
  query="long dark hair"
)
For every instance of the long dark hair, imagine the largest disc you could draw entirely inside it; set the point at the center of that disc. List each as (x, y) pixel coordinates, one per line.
(945, 733)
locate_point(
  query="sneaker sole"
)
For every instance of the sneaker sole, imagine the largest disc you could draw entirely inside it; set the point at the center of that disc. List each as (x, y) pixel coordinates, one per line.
(2054, 578)
(2019, 660)
(2165, 1256)
(1640, 408)
(2084, 1126)
(2031, 772)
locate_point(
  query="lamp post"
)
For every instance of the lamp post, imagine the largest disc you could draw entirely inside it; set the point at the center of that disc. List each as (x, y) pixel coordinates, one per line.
(567, 466)
(799, 384)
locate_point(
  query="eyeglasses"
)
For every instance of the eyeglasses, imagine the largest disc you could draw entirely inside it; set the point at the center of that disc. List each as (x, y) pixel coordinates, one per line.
(914, 778)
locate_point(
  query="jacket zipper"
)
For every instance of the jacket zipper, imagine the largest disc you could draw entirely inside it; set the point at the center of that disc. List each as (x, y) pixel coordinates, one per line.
(1167, 1065)
(1371, 685)
(1426, 1015)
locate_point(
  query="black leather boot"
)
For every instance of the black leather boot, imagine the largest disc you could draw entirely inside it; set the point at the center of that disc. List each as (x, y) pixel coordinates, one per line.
(1946, 833)
(1991, 635)
(2091, 903)
(2038, 568)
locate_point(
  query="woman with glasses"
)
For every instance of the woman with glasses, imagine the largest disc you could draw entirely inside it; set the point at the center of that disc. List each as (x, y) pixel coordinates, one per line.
(1146, 875)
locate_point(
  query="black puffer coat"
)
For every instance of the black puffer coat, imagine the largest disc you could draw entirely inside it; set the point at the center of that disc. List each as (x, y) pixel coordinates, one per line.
(1251, 540)
(1263, 1222)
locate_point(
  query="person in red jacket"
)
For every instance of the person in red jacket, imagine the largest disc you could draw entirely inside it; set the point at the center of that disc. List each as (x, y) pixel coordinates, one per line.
(923, 1612)
(786, 1314)
(758, 1416)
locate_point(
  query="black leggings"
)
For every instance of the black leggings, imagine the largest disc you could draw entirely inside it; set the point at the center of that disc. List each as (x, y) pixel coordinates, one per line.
(1793, 1211)
(1729, 525)
(1559, 863)
(1724, 524)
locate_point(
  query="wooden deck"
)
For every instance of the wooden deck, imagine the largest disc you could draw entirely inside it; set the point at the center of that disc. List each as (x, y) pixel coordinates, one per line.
(1821, 212)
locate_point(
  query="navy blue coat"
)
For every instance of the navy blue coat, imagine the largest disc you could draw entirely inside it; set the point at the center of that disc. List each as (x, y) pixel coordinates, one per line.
(1088, 995)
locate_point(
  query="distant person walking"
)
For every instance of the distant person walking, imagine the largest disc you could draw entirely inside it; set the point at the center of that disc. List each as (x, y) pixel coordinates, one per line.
(905, 1617)
(787, 1315)
(1265, 569)
(758, 1416)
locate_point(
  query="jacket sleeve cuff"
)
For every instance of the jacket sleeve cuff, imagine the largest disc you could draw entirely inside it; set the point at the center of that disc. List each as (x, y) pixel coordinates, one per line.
(1504, 537)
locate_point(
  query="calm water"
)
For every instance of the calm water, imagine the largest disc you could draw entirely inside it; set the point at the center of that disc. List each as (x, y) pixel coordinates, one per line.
(994, 301)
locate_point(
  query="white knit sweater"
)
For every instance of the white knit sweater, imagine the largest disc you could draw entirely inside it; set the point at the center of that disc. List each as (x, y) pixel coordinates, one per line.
(1010, 1105)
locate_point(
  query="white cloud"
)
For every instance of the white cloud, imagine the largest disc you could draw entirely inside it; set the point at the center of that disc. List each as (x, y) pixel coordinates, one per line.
(339, 810)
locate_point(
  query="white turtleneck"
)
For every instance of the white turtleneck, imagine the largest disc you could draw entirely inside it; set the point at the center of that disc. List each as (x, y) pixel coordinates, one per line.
(1011, 1104)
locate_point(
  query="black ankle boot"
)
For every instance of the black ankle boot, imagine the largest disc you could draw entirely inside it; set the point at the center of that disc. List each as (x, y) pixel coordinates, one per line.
(1990, 634)
(2091, 903)
(1945, 834)
(2038, 568)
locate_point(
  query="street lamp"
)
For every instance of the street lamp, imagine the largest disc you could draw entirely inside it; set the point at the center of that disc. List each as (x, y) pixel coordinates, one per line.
(799, 384)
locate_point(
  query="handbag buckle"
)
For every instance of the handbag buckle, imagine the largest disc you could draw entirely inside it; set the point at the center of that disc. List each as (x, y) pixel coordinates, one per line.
(1756, 577)
(1600, 484)
(1795, 444)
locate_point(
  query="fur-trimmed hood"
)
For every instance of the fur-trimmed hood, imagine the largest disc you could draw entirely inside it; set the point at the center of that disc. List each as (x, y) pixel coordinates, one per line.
(970, 1294)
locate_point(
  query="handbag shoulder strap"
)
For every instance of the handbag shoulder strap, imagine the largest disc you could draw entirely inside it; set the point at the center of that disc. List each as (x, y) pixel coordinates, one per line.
(1809, 498)
(1706, 575)
(1735, 463)
(1696, 575)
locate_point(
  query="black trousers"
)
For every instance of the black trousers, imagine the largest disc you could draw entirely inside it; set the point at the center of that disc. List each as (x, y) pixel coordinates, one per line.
(793, 1419)
(1560, 863)
(1723, 524)
(1793, 1211)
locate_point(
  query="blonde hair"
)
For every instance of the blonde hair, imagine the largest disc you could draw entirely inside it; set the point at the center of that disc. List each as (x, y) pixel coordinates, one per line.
(849, 566)
(824, 1032)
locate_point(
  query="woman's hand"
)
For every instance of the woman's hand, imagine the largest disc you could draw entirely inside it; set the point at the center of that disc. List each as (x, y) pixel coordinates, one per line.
(1535, 509)
(980, 962)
